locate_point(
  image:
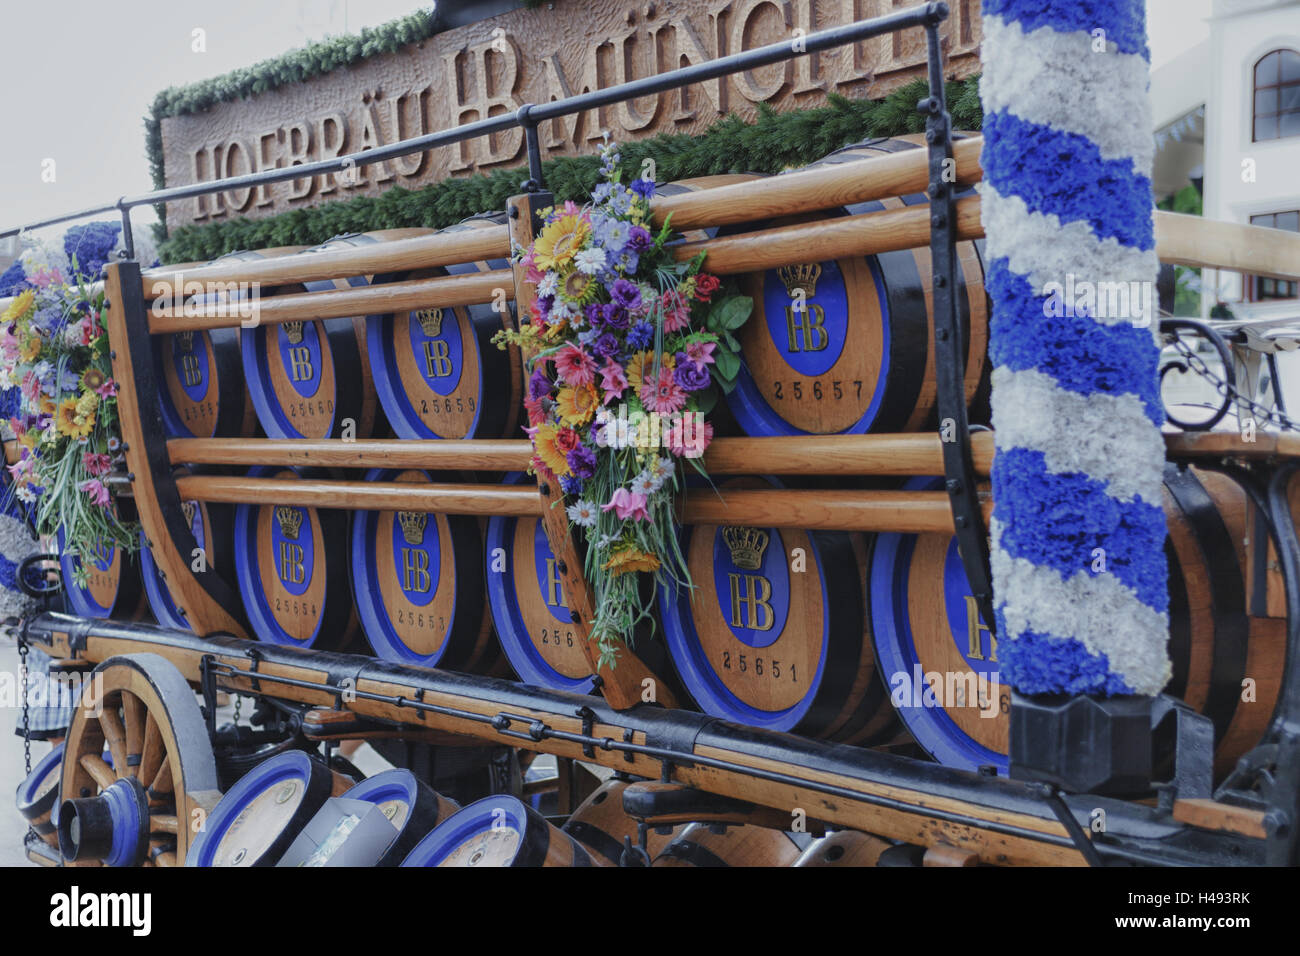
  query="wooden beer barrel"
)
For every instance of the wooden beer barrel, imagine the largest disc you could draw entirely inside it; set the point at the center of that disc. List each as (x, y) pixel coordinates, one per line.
(200, 373)
(38, 794)
(925, 622)
(844, 346)
(308, 379)
(498, 831)
(529, 609)
(436, 371)
(601, 825)
(775, 635)
(113, 585)
(418, 583)
(258, 818)
(844, 848)
(702, 845)
(412, 807)
(291, 564)
(211, 525)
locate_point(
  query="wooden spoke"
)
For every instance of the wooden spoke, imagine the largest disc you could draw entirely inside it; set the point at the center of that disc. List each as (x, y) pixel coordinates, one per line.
(115, 734)
(162, 823)
(100, 771)
(152, 753)
(162, 781)
(133, 711)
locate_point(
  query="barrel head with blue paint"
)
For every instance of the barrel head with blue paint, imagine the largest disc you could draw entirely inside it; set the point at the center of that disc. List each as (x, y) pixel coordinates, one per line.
(529, 608)
(843, 346)
(412, 807)
(773, 635)
(211, 526)
(112, 583)
(258, 818)
(311, 378)
(38, 794)
(418, 584)
(292, 568)
(436, 371)
(498, 831)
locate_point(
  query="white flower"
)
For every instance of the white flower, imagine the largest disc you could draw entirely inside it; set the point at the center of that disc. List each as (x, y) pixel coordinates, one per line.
(590, 260)
(664, 469)
(606, 540)
(645, 483)
(583, 513)
(549, 284)
(72, 334)
(25, 493)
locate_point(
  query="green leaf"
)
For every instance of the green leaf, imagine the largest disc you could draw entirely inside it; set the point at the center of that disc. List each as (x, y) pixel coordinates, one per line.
(726, 366)
(705, 399)
(730, 313)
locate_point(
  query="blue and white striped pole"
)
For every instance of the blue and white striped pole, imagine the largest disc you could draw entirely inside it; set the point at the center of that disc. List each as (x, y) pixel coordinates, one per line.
(1078, 530)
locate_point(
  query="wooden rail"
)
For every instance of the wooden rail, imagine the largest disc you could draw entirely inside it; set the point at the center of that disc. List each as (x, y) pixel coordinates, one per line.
(895, 455)
(912, 512)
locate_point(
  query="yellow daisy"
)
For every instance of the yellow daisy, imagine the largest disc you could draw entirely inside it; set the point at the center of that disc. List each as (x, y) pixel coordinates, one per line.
(19, 306)
(631, 559)
(30, 348)
(577, 405)
(560, 242)
(68, 422)
(642, 366)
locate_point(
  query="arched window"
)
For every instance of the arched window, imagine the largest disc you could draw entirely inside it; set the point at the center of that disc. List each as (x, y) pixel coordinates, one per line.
(1277, 95)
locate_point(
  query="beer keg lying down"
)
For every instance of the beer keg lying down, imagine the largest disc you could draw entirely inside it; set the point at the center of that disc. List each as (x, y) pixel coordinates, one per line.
(418, 584)
(844, 848)
(845, 345)
(601, 825)
(498, 831)
(211, 525)
(701, 844)
(774, 633)
(258, 818)
(291, 563)
(200, 373)
(436, 371)
(38, 794)
(309, 379)
(412, 807)
(112, 584)
(941, 664)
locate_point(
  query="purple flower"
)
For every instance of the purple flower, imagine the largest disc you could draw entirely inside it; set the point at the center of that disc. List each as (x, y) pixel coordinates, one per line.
(544, 303)
(616, 317)
(625, 293)
(605, 345)
(595, 315)
(570, 485)
(641, 335)
(690, 376)
(645, 188)
(539, 386)
(583, 462)
(640, 240)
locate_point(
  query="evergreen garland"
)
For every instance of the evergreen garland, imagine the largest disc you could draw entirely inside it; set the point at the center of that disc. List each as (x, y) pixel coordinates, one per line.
(773, 142)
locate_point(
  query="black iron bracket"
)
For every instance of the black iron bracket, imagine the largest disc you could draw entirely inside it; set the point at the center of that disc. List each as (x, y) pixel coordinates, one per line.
(949, 339)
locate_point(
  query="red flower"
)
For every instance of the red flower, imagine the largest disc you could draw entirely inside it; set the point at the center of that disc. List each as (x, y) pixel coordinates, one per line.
(536, 411)
(705, 286)
(567, 440)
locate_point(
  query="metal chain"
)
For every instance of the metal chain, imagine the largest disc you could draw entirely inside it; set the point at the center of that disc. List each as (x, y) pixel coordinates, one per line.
(238, 701)
(1257, 411)
(27, 729)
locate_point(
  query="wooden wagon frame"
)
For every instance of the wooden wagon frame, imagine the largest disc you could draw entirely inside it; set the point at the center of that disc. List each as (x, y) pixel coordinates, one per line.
(1250, 819)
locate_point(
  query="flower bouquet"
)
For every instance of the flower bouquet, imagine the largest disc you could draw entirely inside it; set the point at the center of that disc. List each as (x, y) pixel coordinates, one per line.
(627, 350)
(54, 349)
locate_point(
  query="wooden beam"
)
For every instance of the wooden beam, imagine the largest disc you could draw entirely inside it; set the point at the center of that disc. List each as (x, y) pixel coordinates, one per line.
(1210, 815)
(394, 255)
(443, 291)
(837, 238)
(897, 455)
(1231, 445)
(1194, 241)
(821, 187)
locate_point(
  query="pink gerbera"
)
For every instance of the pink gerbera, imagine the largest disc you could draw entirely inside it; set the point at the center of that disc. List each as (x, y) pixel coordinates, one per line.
(689, 435)
(575, 367)
(664, 396)
(96, 464)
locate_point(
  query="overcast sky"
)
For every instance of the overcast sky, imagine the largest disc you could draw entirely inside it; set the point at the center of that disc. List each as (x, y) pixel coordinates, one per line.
(78, 75)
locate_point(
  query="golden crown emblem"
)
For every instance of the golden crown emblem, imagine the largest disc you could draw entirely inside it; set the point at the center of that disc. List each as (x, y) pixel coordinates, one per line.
(293, 331)
(803, 276)
(185, 340)
(187, 509)
(412, 523)
(747, 546)
(290, 519)
(430, 321)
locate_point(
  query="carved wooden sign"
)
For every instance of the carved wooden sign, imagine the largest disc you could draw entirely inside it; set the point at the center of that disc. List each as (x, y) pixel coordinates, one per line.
(495, 65)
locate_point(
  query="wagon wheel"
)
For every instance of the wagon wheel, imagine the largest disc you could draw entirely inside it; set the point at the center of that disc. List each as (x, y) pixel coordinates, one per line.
(140, 807)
